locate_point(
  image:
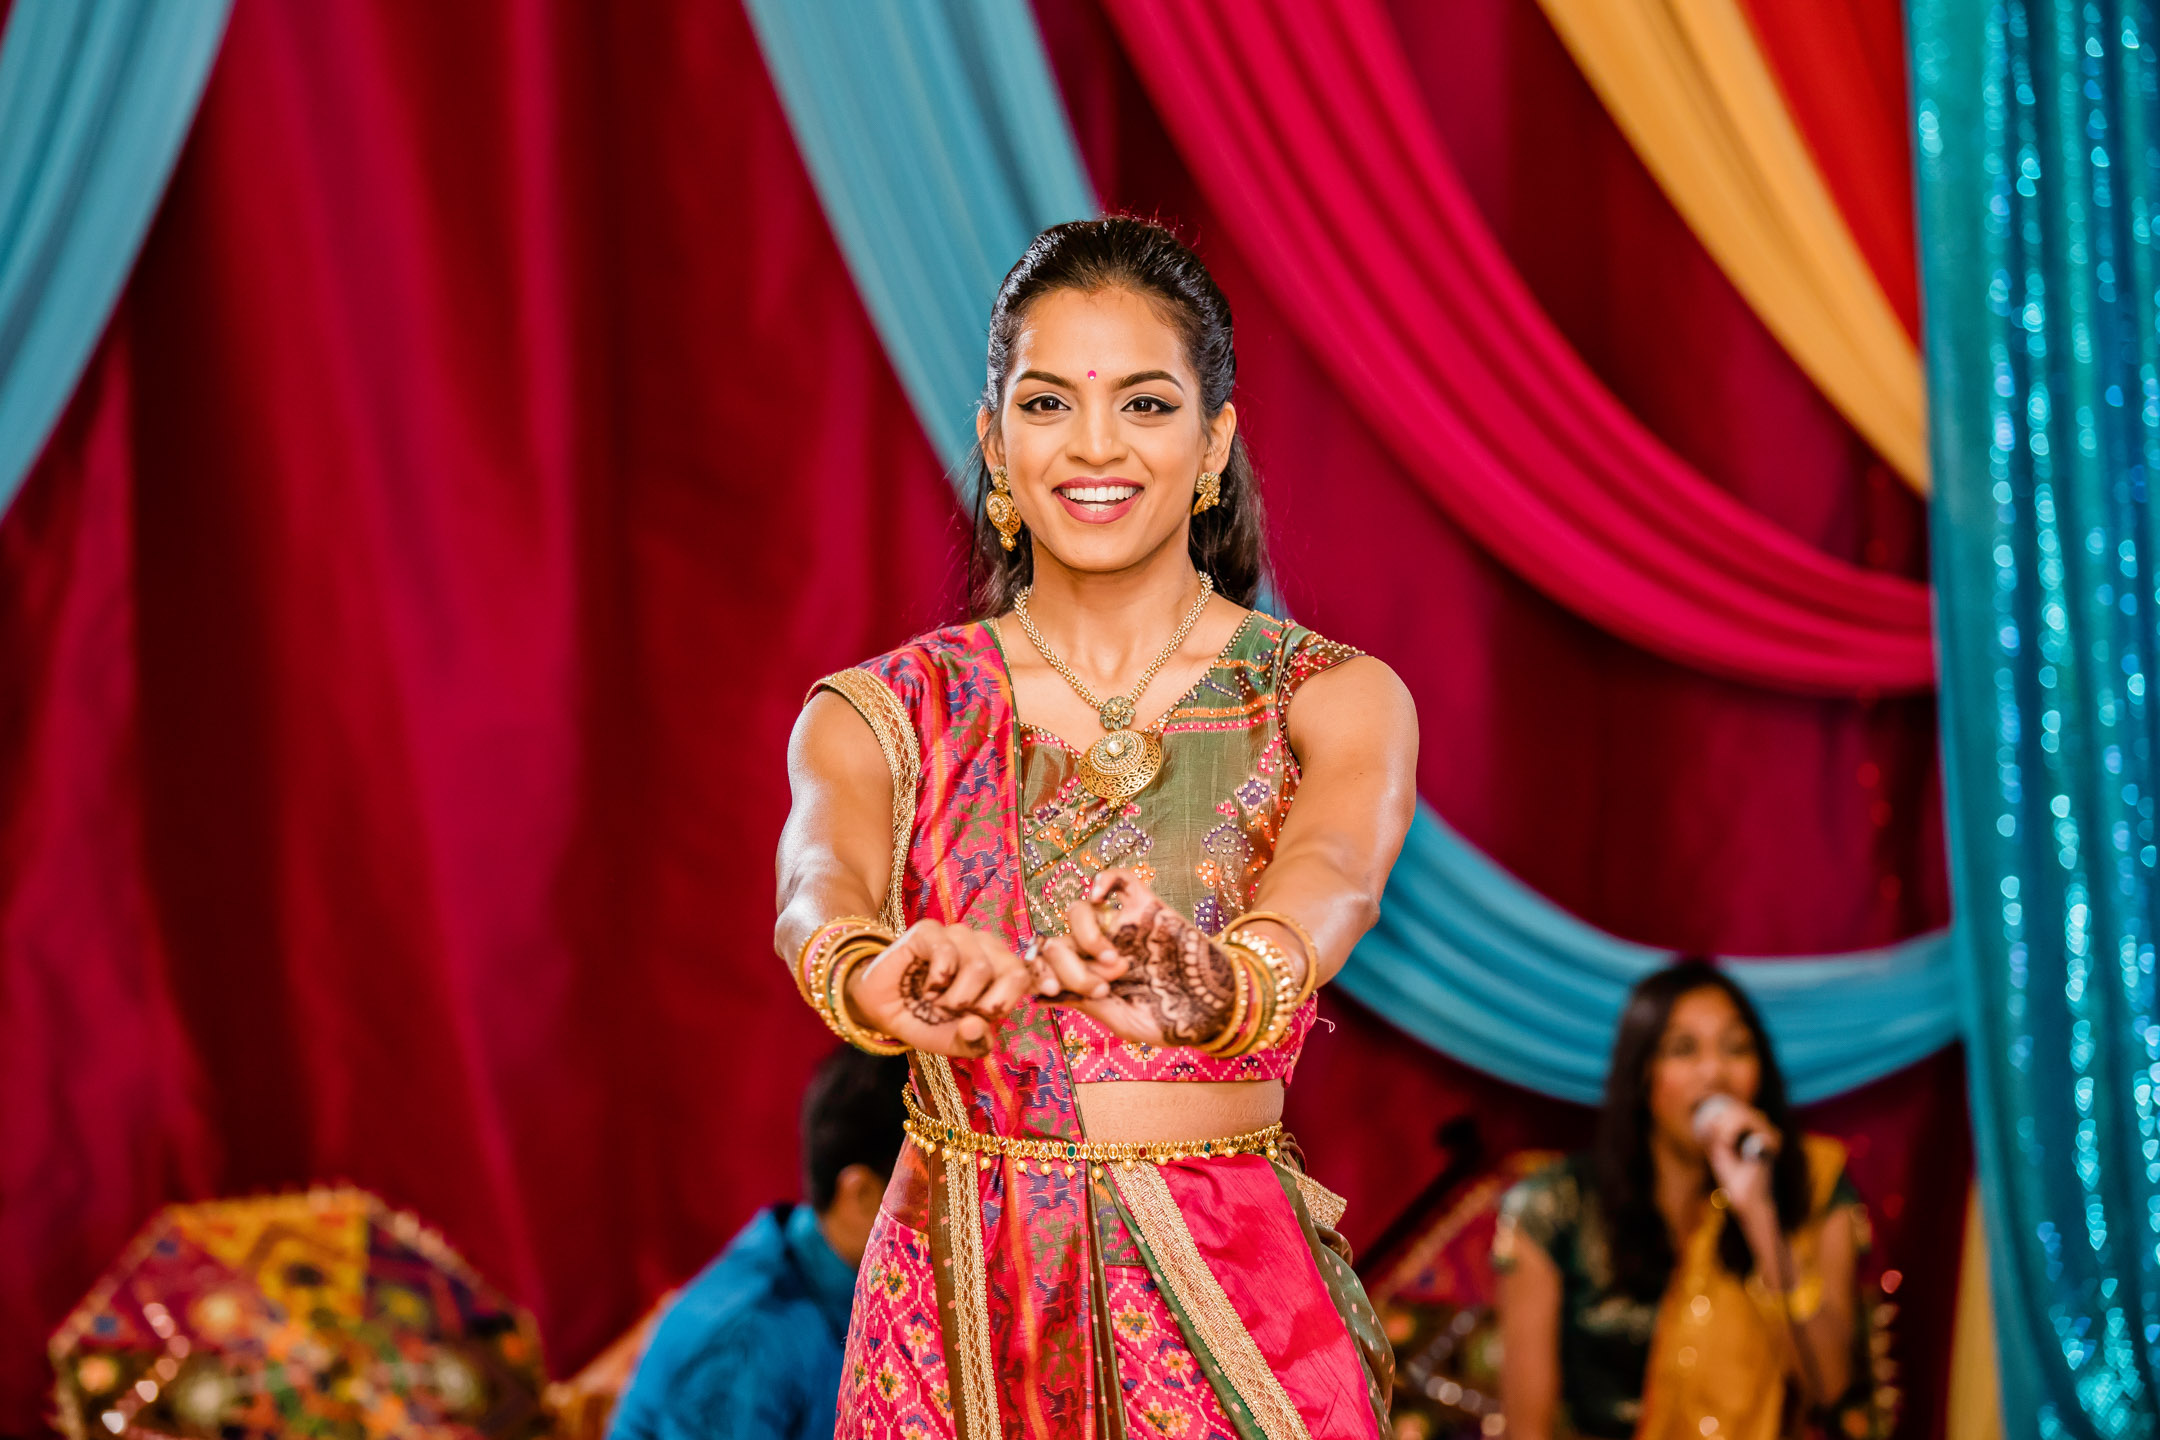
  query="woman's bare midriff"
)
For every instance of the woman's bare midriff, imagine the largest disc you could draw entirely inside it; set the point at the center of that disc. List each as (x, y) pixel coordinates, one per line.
(1146, 1110)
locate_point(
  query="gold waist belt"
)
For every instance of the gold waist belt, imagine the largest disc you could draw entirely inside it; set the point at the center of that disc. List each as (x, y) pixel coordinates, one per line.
(937, 1137)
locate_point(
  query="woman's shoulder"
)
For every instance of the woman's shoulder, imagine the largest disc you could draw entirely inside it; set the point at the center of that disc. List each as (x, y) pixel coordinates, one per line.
(1548, 1202)
(1368, 701)
(1829, 1184)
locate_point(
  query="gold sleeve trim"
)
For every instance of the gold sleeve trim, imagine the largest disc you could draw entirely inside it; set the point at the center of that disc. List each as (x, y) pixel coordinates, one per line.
(1200, 1295)
(896, 738)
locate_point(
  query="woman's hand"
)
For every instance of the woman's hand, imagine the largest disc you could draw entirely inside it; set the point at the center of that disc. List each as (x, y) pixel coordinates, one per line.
(943, 988)
(1746, 1182)
(1146, 973)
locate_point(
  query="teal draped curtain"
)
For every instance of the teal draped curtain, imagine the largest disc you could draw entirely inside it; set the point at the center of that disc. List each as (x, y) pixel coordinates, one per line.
(938, 142)
(95, 98)
(2037, 122)
(935, 135)
(1479, 966)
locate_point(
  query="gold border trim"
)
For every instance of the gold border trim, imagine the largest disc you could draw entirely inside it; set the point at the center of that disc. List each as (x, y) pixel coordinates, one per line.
(1324, 1205)
(888, 720)
(977, 1390)
(1154, 1209)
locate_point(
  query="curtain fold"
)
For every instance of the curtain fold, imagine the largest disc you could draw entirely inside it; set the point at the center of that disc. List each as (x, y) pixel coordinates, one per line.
(95, 99)
(1305, 128)
(1691, 89)
(1477, 965)
(2037, 125)
(1840, 64)
(933, 132)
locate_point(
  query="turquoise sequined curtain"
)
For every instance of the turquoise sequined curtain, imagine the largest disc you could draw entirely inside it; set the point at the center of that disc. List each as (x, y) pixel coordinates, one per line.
(2037, 122)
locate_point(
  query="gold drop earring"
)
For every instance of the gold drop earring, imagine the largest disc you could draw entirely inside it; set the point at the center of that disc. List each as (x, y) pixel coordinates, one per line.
(1004, 515)
(1209, 495)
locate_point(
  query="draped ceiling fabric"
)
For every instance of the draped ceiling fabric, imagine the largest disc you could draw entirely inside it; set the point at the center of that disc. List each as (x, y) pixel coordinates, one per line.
(2039, 162)
(1841, 66)
(1482, 968)
(1689, 85)
(1316, 148)
(95, 98)
(934, 134)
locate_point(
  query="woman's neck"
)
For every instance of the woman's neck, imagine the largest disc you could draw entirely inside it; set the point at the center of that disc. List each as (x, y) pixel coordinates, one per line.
(1682, 1183)
(1110, 624)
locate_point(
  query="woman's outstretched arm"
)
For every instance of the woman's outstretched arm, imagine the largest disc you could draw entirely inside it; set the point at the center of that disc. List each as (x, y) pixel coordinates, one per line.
(1529, 1305)
(1354, 731)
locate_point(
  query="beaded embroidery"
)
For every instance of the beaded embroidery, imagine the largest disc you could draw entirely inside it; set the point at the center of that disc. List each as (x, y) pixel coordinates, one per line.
(1201, 835)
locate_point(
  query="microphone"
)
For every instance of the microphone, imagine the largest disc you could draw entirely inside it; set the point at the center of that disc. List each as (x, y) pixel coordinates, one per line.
(1754, 1145)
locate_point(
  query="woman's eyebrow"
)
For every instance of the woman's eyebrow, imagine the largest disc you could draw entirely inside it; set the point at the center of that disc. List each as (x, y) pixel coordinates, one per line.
(1046, 377)
(1143, 377)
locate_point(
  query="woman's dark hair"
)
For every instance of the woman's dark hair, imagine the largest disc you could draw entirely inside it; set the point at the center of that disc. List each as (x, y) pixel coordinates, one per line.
(1124, 252)
(1640, 1244)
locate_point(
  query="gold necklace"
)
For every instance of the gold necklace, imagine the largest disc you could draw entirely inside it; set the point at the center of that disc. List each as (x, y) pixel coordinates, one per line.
(1120, 765)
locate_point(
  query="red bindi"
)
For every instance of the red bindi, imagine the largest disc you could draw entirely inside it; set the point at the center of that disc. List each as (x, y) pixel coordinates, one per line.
(1091, 374)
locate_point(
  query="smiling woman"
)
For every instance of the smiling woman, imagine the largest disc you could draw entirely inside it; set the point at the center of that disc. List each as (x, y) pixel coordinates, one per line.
(1099, 924)
(1155, 359)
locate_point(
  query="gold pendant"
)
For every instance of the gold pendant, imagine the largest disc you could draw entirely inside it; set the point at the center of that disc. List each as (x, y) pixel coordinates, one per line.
(1121, 764)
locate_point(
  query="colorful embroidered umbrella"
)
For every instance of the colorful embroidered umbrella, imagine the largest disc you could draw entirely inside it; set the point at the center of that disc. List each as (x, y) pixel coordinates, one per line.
(321, 1314)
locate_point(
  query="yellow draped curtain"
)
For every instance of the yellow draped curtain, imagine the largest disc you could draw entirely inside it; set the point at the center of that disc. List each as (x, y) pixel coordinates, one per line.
(1691, 89)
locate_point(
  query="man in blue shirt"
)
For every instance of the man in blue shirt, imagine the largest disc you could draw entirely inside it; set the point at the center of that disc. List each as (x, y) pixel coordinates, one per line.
(751, 1348)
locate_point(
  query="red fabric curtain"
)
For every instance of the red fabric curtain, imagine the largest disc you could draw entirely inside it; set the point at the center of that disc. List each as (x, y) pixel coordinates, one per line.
(1310, 140)
(1841, 65)
(403, 635)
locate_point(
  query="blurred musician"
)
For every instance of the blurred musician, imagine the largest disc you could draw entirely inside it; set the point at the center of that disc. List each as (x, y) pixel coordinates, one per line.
(1695, 1274)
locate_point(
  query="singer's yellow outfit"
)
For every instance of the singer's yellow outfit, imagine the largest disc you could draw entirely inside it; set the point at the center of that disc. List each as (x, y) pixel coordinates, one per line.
(1707, 1360)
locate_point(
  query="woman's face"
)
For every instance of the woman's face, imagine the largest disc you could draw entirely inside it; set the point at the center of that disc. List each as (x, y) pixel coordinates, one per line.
(1706, 1050)
(1101, 433)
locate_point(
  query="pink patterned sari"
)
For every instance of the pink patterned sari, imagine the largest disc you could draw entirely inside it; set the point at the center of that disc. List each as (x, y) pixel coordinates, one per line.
(1203, 1298)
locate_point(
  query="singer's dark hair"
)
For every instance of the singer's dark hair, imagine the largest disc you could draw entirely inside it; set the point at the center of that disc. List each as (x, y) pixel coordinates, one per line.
(1641, 1247)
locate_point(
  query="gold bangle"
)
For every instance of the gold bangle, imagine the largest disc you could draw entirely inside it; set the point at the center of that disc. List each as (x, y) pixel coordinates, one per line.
(817, 949)
(1304, 938)
(1266, 1000)
(1241, 1000)
(1268, 992)
(831, 967)
(1282, 986)
(844, 966)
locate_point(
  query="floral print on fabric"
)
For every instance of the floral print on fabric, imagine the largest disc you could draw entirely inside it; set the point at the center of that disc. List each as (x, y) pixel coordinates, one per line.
(1167, 1395)
(892, 1382)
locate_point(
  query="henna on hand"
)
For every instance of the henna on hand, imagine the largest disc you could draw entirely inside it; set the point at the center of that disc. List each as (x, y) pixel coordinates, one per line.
(916, 994)
(1178, 975)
